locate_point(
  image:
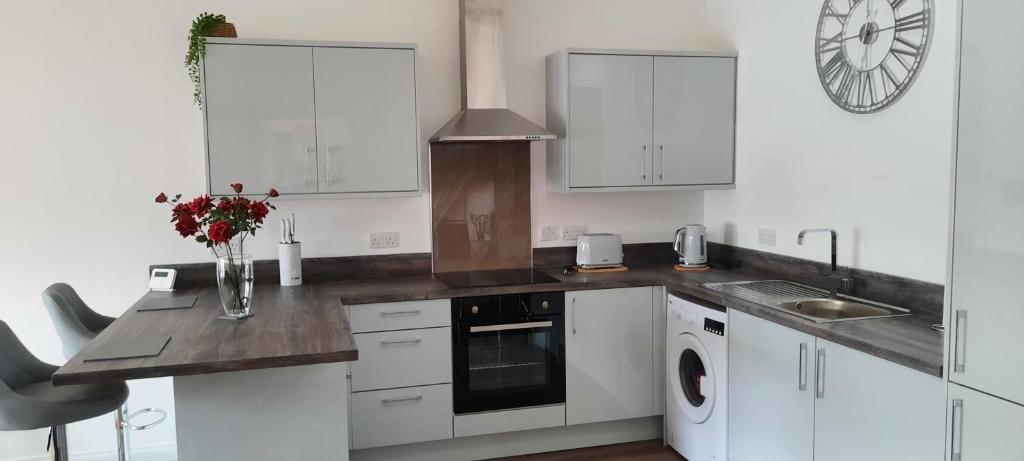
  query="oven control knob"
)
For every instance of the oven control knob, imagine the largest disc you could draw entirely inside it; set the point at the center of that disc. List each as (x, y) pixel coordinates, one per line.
(544, 305)
(475, 309)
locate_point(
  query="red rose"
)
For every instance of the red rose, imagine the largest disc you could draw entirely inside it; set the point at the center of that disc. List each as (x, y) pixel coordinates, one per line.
(219, 232)
(180, 211)
(272, 193)
(224, 204)
(201, 205)
(162, 198)
(259, 211)
(237, 187)
(186, 225)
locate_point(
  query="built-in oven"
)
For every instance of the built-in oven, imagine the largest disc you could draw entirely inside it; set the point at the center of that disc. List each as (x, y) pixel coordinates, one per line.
(508, 351)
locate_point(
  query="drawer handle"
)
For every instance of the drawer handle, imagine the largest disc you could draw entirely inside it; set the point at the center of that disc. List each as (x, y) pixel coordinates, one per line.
(393, 313)
(511, 326)
(385, 342)
(413, 398)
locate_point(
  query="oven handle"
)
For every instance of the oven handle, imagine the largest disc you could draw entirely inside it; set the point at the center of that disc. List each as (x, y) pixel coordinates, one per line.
(511, 326)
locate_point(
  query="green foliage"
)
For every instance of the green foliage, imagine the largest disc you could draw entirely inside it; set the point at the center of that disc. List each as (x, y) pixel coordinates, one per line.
(197, 49)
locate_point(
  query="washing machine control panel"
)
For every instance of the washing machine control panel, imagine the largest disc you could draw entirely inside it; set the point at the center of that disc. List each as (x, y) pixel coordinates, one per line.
(714, 326)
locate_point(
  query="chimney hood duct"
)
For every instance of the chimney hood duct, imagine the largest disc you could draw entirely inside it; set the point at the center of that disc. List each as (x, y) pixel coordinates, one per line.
(485, 115)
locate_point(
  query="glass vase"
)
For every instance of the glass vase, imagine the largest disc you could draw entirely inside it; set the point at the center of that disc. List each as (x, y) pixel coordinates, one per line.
(234, 283)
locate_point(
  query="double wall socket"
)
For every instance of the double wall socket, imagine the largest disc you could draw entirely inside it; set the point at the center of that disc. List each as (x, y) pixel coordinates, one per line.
(548, 233)
(384, 240)
(573, 232)
(766, 237)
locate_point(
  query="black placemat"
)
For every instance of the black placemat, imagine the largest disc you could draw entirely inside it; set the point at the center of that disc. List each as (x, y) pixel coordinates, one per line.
(128, 348)
(156, 301)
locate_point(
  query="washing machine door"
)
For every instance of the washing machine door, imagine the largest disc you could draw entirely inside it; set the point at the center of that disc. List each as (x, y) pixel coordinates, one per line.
(692, 378)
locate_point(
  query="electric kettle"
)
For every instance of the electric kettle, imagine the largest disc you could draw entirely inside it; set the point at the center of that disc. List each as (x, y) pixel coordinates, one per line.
(690, 246)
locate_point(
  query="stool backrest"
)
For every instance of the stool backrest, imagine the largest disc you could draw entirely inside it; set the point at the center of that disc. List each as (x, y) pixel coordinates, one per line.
(18, 366)
(75, 322)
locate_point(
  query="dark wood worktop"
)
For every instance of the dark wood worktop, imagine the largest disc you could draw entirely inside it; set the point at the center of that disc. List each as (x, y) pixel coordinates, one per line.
(307, 324)
(300, 325)
(908, 341)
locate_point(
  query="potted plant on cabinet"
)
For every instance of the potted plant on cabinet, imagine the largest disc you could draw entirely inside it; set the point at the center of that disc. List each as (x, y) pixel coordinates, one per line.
(205, 25)
(223, 227)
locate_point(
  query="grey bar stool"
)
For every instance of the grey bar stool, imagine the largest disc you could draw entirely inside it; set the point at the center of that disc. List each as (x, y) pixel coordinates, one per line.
(29, 400)
(76, 325)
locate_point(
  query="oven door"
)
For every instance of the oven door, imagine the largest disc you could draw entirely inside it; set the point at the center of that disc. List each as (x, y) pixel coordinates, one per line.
(509, 365)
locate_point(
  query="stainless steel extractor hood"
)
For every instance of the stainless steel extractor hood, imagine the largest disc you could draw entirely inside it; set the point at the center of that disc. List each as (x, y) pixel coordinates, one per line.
(485, 115)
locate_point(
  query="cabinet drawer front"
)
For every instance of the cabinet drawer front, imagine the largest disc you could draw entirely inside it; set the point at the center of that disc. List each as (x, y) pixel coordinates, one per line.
(400, 316)
(397, 416)
(402, 358)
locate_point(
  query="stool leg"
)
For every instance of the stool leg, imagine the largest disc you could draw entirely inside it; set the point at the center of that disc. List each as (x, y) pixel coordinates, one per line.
(60, 443)
(122, 434)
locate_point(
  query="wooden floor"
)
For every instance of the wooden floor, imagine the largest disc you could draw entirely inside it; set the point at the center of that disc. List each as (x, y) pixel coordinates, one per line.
(651, 450)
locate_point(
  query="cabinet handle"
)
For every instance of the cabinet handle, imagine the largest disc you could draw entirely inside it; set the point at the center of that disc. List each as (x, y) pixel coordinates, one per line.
(819, 375)
(957, 429)
(411, 398)
(574, 316)
(959, 352)
(391, 313)
(661, 171)
(400, 341)
(643, 162)
(802, 378)
(327, 163)
(309, 176)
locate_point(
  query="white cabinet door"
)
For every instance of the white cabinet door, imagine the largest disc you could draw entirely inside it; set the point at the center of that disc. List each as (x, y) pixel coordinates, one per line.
(609, 350)
(987, 293)
(259, 118)
(366, 120)
(870, 408)
(771, 385)
(694, 118)
(610, 99)
(982, 427)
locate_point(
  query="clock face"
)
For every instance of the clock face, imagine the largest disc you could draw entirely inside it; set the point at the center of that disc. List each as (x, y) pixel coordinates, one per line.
(868, 52)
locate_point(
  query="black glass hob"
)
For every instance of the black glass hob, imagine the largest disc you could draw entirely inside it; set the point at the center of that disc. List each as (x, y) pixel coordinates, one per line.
(494, 278)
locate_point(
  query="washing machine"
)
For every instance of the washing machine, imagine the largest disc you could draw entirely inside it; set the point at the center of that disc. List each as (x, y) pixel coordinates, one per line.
(696, 369)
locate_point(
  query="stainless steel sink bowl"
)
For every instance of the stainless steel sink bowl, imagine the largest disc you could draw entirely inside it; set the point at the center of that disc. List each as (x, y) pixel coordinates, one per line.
(828, 309)
(806, 302)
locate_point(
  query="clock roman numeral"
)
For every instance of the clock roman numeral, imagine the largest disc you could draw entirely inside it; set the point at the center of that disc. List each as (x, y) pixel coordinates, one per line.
(823, 43)
(831, 12)
(846, 84)
(897, 3)
(887, 75)
(911, 22)
(913, 50)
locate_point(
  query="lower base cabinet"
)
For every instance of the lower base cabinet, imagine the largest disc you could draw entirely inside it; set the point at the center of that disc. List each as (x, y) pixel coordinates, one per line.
(868, 408)
(609, 348)
(794, 397)
(771, 399)
(397, 416)
(982, 427)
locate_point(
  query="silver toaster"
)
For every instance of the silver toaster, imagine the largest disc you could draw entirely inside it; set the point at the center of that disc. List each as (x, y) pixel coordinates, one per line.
(599, 250)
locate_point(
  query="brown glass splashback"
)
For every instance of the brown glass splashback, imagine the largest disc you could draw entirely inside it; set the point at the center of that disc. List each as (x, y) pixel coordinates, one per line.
(480, 197)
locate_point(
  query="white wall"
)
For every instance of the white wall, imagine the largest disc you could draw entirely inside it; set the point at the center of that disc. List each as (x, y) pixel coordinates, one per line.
(96, 118)
(882, 179)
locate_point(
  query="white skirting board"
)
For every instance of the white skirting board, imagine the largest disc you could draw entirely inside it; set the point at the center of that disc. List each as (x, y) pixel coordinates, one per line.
(164, 452)
(298, 412)
(519, 443)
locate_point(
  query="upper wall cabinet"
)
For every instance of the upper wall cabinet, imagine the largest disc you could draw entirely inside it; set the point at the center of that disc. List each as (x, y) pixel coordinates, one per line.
(311, 117)
(639, 120)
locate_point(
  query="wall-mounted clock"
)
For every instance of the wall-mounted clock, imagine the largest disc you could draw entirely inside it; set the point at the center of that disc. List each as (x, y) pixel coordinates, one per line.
(869, 52)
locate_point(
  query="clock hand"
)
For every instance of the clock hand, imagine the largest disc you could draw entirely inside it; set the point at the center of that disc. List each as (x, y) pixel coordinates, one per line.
(875, 32)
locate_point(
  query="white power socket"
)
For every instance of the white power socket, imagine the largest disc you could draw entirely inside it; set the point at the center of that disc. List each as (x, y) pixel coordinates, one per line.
(766, 237)
(548, 233)
(573, 232)
(384, 240)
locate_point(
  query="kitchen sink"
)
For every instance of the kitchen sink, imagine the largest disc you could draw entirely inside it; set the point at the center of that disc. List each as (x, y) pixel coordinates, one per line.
(831, 309)
(805, 301)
